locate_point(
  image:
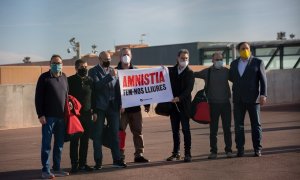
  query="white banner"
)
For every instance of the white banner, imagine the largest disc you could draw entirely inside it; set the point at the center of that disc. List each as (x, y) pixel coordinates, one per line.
(144, 86)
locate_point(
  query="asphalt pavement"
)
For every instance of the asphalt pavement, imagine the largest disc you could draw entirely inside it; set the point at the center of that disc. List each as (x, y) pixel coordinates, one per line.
(20, 152)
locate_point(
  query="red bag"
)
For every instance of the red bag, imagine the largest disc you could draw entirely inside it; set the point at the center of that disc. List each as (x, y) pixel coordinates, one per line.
(202, 114)
(73, 124)
(122, 137)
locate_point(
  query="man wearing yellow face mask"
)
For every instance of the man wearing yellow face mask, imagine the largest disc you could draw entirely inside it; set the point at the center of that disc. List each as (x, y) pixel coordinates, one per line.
(249, 88)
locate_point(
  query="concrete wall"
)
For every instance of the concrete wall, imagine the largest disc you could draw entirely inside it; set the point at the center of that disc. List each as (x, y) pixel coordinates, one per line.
(17, 109)
(26, 74)
(283, 86)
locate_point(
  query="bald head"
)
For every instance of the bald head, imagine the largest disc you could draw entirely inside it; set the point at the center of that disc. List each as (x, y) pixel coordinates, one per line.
(104, 58)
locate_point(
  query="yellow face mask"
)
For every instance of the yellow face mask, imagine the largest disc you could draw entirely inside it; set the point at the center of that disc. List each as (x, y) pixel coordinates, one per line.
(245, 54)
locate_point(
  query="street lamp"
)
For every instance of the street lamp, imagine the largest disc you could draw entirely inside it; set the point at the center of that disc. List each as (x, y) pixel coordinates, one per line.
(142, 40)
(94, 51)
(75, 47)
(26, 60)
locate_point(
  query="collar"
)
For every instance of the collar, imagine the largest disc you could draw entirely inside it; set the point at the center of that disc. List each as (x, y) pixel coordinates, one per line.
(53, 75)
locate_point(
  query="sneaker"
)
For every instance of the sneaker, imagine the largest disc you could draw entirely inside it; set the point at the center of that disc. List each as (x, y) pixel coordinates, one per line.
(174, 157)
(85, 168)
(97, 167)
(257, 153)
(60, 173)
(187, 158)
(119, 164)
(47, 175)
(213, 156)
(141, 159)
(229, 154)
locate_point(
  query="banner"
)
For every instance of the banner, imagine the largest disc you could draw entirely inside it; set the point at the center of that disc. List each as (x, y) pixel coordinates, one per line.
(144, 86)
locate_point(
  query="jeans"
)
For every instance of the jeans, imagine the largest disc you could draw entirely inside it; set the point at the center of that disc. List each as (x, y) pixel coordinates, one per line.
(217, 110)
(54, 126)
(176, 119)
(239, 111)
(135, 121)
(85, 119)
(113, 119)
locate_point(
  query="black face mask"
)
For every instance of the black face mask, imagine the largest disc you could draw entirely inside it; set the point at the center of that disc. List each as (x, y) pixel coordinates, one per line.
(106, 63)
(82, 72)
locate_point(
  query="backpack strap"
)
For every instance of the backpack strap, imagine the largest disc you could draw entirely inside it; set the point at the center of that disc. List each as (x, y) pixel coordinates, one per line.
(207, 81)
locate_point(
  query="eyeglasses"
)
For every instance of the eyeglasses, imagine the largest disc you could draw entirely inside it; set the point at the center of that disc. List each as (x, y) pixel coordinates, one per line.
(56, 63)
(218, 59)
(106, 59)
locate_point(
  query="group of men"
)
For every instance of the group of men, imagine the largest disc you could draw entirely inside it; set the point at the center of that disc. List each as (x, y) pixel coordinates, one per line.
(249, 90)
(98, 91)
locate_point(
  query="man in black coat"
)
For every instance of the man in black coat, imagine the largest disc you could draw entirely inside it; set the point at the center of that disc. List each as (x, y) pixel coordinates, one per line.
(249, 88)
(182, 83)
(81, 86)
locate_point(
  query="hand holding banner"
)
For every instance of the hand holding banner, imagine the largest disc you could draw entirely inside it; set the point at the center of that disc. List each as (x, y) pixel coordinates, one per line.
(144, 86)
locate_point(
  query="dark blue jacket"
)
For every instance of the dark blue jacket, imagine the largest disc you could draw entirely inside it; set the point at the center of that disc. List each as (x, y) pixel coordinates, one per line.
(50, 95)
(102, 89)
(252, 84)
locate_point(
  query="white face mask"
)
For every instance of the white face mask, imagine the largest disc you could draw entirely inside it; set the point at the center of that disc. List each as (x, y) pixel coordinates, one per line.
(126, 59)
(183, 64)
(218, 64)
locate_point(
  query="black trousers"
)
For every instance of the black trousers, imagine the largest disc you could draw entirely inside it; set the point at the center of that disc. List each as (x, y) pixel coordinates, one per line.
(82, 141)
(178, 118)
(239, 112)
(223, 110)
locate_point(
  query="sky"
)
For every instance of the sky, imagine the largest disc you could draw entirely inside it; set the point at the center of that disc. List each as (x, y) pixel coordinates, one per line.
(40, 28)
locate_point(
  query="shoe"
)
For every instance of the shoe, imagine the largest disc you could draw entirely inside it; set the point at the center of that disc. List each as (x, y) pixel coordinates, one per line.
(257, 153)
(212, 156)
(240, 154)
(119, 164)
(60, 173)
(97, 167)
(187, 158)
(141, 159)
(85, 168)
(174, 157)
(74, 169)
(47, 175)
(229, 154)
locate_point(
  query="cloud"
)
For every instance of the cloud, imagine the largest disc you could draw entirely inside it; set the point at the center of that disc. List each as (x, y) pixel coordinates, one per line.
(13, 57)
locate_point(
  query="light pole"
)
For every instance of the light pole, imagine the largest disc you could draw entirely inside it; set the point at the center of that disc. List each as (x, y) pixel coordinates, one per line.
(142, 40)
(75, 47)
(94, 51)
(26, 59)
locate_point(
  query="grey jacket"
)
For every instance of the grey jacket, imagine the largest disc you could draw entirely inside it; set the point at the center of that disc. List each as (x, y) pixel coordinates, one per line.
(218, 90)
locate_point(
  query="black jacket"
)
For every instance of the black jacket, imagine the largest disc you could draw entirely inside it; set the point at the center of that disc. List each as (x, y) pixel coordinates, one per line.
(81, 89)
(182, 85)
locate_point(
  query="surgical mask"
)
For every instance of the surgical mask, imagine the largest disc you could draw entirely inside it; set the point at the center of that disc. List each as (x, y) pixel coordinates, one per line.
(56, 68)
(106, 63)
(218, 64)
(183, 64)
(245, 54)
(126, 59)
(82, 72)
